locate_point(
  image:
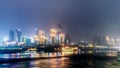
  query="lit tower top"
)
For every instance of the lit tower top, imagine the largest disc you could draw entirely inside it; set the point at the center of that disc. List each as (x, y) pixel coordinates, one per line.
(53, 33)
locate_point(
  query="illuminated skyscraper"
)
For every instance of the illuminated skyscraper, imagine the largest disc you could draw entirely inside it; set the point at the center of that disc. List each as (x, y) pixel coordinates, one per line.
(36, 40)
(61, 38)
(59, 27)
(18, 35)
(41, 36)
(11, 36)
(53, 34)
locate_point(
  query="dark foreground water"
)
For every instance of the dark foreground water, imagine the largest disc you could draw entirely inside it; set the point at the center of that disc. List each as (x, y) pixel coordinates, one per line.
(62, 63)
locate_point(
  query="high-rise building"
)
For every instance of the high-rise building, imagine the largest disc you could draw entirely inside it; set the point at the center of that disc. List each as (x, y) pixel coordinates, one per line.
(41, 36)
(23, 39)
(36, 40)
(59, 27)
(67, 39)
(53, 34)
(18, 35)
(100, 40)
(11, 36)
(61, 38)
(28, 41)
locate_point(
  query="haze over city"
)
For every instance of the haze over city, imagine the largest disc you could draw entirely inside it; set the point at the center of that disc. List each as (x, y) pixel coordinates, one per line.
(83, 20)
(60, 33)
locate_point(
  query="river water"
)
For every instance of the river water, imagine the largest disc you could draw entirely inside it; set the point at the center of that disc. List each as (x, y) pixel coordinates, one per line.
(60, 63)
(63, 62)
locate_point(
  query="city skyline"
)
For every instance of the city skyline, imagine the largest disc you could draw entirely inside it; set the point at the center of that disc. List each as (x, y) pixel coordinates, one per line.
(52, 37)
(60, 33)
(83, 20)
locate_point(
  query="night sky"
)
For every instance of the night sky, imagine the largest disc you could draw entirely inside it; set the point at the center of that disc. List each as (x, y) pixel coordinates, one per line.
(82, 19)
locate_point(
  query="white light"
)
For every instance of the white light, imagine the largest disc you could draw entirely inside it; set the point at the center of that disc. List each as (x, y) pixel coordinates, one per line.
(113, 40)
(72, 43)
(118, 40)
(5, 39)
(13, 42)
(32, 39)
(107, 39)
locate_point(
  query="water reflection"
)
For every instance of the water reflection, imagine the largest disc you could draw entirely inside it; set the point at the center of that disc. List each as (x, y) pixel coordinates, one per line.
(63, 62)
(34, 54)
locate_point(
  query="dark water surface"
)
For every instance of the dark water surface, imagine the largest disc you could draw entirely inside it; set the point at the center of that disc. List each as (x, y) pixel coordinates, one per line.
(63, 62)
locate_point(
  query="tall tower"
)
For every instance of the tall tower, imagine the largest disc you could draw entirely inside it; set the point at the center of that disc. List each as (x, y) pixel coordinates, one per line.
(67, 39)
(53, 33)
(59, 27)
(18, 35)
(41, 36)
(11, 36)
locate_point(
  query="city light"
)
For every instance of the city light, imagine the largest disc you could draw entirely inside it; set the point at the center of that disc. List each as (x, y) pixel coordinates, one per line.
(55, 36)
(107, 38)
(59, 34)
(5, 39)
(32, 39)
(53, 32)
(118, 40)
